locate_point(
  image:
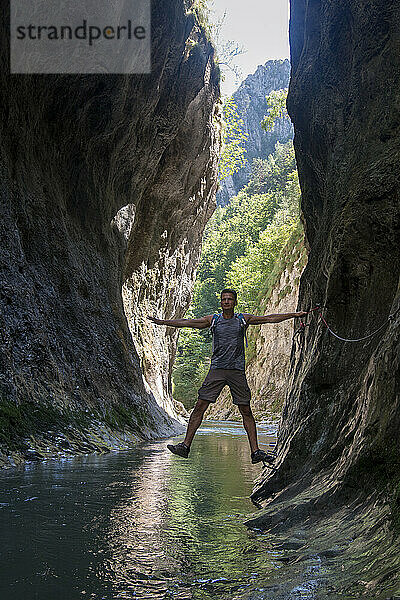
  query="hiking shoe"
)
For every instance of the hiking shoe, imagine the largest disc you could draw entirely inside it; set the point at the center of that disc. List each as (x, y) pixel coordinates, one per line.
(179, 449)
(260, 455)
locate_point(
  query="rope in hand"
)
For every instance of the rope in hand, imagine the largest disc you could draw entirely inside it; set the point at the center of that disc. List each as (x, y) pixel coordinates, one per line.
(318, 307)
(302, 328)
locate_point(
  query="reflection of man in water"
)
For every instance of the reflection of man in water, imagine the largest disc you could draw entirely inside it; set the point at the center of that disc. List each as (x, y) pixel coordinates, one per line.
(227, 368)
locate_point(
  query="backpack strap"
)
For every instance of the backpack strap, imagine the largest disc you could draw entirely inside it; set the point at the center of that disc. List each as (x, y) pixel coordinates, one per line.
(214, 320)
(214, 333)
(243, 323)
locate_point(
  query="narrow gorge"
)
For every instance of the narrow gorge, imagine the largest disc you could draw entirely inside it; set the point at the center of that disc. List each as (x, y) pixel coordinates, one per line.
(107, 184)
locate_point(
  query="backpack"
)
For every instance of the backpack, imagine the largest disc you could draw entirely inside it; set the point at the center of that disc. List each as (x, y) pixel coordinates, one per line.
(241, 318)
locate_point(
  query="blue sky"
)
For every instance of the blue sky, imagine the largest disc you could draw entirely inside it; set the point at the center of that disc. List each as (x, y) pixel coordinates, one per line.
(261, 26)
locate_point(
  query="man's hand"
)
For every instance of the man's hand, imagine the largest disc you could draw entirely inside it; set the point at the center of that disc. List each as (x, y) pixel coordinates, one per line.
(155, 320)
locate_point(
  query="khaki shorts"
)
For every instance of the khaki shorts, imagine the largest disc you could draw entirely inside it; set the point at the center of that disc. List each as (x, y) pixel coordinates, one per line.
(218, 378)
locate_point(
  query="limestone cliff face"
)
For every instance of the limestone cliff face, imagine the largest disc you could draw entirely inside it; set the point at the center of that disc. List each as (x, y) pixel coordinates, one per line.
(251, 108)
(268, 369)
(106, 184)
(339, 434)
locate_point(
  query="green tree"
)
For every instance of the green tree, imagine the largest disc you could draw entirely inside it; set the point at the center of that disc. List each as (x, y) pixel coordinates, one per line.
(276, 101)
(271, 174)
(233, 139)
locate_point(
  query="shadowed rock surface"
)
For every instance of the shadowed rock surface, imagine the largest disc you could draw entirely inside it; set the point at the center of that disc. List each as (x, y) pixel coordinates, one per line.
(338, 438)
(107, 182)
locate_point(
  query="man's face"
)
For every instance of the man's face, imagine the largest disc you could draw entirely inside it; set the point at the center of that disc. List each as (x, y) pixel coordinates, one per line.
(227, 301)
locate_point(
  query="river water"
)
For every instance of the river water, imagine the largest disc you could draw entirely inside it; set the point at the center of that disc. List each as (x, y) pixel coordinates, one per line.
(135, 524)
(145, 524)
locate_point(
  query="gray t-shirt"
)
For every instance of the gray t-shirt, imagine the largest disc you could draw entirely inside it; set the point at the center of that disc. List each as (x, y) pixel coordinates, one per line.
(228, 344)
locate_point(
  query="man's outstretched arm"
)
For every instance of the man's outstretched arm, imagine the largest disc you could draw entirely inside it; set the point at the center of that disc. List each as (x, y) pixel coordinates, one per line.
(255, 320)
(201, 323)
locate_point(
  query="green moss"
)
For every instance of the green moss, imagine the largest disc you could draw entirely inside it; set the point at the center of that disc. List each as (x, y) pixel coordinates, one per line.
(277, 405)
(285, 291)
(251, 349)
(303, 260)
(19, 421)
(120, 417)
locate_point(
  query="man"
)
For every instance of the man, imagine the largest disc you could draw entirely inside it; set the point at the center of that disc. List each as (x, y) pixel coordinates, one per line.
(227, 368)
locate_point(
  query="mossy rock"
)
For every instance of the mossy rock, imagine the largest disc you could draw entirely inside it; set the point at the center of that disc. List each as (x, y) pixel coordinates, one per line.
(285, 292)
(20, 421)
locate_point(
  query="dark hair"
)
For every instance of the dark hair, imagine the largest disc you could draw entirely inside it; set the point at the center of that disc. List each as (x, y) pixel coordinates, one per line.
(233, 292)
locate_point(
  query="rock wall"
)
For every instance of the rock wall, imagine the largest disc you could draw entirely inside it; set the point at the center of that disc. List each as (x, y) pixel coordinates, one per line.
(338, 438)
(268, 369)
(251, 108)
(106, 184)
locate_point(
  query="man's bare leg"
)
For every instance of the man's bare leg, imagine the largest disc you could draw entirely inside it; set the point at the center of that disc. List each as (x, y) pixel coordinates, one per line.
(250, 425)
(195, 420)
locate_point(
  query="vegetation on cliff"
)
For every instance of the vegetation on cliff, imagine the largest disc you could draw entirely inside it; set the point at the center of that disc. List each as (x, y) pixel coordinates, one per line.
(276, 101)
(254, 99)
(233, 141)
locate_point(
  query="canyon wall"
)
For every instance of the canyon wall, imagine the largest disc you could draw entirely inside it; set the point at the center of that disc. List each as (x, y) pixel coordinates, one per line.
(252, 106)
(338, 439)
(107, 182)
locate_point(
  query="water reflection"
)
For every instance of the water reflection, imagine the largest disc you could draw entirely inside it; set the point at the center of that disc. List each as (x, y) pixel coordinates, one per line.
(148, 525)
(138, 524)
(180, 531)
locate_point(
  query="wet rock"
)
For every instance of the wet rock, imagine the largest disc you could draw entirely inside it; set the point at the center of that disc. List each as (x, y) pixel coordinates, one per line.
(32, 455)
(289, 545)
